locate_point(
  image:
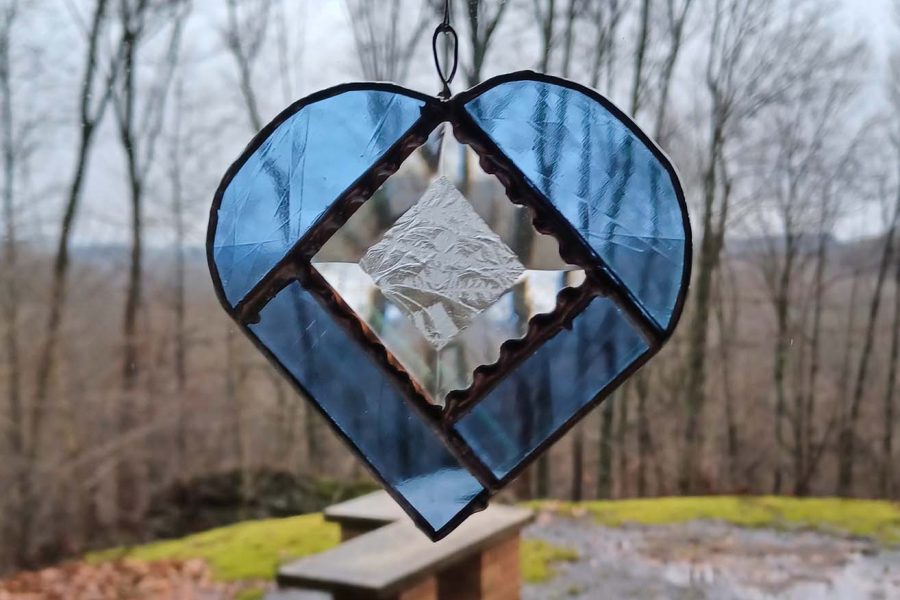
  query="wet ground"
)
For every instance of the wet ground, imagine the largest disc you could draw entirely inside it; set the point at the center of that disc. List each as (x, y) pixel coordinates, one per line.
(703, 560)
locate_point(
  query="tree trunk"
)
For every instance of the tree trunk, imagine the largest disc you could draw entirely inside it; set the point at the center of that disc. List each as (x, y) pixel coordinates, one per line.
(698, 331)
(179, 299)
(640, 54)
(10, 263)
(569, 37)
(782, 298)
(806, 463)
(481, 31)
(645, 443)
(234, 380)
(604, 461)
(244, 66)
(93, 101)
(847, 441)
(621, 443)
(886, 480)
(577, 493)
(137, 138)
(128, 481)
(546, 21)
(727, 329)
(20, 529)
(676, 32)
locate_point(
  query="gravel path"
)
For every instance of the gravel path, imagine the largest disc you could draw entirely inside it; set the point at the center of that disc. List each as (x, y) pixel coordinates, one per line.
(712, 560)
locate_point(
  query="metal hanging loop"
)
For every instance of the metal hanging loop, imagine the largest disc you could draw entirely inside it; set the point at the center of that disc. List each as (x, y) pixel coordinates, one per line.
(444, 28)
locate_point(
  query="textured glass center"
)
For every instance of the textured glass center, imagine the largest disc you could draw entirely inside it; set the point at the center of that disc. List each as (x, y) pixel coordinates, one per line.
(441, 264)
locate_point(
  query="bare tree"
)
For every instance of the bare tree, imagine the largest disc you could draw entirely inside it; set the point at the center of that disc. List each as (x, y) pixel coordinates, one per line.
(604, 459)
(482, 18)
(139, 126)
(94, 94)
(29, 421)
(745, 72)
(386, 41)
(677, 12)
(796, 170)
(644, 437)
(606, 16)
(850, 420)
(727, 312)
(9, 144)
(179, 301)
(886, 482)
(574, 8)
(622, 429)
(807, 450)
(244, 39)
(545, 16)
(284, 55)
(9, 13)
(637, 81)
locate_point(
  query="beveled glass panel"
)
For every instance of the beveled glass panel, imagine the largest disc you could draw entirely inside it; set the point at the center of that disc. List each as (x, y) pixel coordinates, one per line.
(365, 405)
(297, 173)
(550, 387)
(603, 179)
(486, 285)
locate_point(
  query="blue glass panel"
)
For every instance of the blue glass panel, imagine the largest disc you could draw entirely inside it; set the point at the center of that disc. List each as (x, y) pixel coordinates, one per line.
(365, 405)
(296, 174)
(600, 176)
(548, 388)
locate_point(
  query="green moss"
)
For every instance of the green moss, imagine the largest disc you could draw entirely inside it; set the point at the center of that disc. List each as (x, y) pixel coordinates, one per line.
(252, 550)
(873, 519)
(538, 558)
(246, 551)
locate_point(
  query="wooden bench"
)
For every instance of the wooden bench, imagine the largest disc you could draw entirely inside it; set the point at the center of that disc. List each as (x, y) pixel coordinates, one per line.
(386, 557)
(364, 514)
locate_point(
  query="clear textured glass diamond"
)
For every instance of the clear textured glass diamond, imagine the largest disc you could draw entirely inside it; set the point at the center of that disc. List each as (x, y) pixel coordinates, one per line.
(441, 264)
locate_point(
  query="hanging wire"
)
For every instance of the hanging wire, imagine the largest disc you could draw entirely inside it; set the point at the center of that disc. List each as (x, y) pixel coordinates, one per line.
(444, 28)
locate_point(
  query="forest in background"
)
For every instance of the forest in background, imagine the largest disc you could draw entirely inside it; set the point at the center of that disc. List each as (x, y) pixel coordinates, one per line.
(121, 376)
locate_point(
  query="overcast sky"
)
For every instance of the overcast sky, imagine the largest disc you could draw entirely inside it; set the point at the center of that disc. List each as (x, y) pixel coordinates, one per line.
(322, 54)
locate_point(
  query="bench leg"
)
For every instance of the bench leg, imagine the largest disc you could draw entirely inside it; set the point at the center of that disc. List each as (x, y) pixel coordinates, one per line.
(501, 577)
(461, 581)
(493, 575)
(427, 589)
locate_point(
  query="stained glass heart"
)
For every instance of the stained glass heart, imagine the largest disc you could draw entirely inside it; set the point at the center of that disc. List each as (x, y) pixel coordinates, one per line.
(462, 320)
